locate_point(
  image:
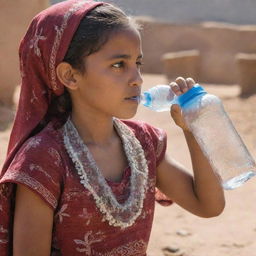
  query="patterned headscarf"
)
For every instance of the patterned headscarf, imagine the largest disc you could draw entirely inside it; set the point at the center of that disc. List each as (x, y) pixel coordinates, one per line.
(41, 50)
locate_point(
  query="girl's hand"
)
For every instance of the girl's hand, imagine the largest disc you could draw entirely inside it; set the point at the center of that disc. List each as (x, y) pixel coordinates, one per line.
(180, 86)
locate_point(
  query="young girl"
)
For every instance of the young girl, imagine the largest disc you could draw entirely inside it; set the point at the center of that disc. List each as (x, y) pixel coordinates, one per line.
(78, 180)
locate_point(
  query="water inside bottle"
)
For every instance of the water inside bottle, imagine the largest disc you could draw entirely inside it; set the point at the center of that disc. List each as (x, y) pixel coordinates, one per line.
(238, 180)
(224, 148)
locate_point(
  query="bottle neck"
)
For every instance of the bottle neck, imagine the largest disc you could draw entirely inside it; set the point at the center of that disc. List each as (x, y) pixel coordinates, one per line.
(146, 99)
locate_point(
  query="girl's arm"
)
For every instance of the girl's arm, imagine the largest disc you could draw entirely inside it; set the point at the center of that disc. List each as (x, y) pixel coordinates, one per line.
(33, 220)
(202, 194)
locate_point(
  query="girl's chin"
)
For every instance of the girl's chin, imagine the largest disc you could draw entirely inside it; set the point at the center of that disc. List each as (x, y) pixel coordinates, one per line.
(126, 116)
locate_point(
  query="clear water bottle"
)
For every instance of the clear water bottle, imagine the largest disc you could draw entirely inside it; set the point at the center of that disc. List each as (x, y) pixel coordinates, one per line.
(207, 119)
(158, 98)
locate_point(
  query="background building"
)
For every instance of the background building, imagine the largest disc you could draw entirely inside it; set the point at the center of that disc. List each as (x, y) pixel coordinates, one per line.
(192, 11)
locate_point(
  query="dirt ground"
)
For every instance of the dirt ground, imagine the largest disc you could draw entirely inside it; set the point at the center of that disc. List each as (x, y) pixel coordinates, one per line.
(233, 232)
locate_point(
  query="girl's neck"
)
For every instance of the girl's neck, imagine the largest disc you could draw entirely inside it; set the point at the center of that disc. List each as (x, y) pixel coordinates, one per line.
(92, 129)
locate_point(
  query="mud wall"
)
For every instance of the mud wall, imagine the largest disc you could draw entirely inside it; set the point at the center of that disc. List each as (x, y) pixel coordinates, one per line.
(217, 43)
(15, 16)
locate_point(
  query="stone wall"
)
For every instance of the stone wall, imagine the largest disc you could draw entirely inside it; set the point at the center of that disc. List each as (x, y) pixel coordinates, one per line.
(217, 43)
(191, 11)
(15, 16)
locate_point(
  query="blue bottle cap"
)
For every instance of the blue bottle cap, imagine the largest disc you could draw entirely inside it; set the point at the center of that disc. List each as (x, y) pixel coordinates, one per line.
(190, 94)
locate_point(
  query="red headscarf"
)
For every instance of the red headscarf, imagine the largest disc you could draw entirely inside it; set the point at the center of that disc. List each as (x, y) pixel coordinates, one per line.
(41, 50)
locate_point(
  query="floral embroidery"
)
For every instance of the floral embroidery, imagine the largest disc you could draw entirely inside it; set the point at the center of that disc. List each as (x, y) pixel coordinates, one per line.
(54, 153)
(22, 73)
(27, 115)
(145, 213)
(34, 97)
(160, 145)
(35, 141)
(121, 215)
(89, 239)
(3, 241)
(61, 213)
(69, 196)
(148, 144)
(67, 173)
(32, 143)
(135, 248)
(35, 40)
(86, 215)
(5, 190)
(3, 231)
(34, 167)
(152, 185)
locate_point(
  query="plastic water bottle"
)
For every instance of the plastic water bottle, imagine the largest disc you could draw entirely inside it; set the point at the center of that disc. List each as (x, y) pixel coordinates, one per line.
(158, 98)
(206, 118)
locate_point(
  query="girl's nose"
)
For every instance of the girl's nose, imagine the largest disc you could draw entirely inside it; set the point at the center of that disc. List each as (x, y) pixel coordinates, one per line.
(136, 79)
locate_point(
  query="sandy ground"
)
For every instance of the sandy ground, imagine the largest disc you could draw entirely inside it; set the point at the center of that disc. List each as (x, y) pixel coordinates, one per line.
(233, 232)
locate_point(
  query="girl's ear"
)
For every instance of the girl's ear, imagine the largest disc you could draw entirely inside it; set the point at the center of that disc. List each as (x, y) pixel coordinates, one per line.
(67, 75)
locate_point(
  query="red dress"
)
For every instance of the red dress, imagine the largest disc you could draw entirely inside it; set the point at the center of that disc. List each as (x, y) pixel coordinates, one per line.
(43, 165)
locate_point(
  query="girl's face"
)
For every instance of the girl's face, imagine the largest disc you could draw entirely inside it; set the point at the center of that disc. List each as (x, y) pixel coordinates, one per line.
(111, 84)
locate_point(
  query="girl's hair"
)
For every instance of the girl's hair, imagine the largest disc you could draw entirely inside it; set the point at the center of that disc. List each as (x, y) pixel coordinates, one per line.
(92, 33)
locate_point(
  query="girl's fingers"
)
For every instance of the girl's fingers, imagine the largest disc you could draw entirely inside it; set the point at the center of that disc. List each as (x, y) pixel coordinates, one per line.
(175, 88)
(190, 82)
(182, 85)
(179, 87)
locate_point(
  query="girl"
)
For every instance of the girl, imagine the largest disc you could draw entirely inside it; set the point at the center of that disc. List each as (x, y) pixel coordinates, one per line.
(78, 180)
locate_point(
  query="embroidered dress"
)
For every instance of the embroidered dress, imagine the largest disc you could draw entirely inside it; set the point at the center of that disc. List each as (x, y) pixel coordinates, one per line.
(44, 165)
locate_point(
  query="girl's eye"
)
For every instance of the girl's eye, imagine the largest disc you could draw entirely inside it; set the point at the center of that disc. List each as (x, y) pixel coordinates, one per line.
(118, 64)
(121, 64)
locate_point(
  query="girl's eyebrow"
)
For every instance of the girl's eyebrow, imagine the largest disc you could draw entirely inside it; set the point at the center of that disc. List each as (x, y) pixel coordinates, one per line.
(123, 56)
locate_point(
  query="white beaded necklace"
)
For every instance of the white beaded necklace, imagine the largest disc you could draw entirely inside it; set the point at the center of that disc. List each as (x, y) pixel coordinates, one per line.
(119, 215)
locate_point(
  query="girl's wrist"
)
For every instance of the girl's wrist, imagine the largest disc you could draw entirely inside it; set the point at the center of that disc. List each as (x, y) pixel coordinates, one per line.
(187, 132)
(185, 129)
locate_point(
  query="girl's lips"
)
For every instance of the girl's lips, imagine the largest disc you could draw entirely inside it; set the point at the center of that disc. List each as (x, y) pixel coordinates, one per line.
(133, 98)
